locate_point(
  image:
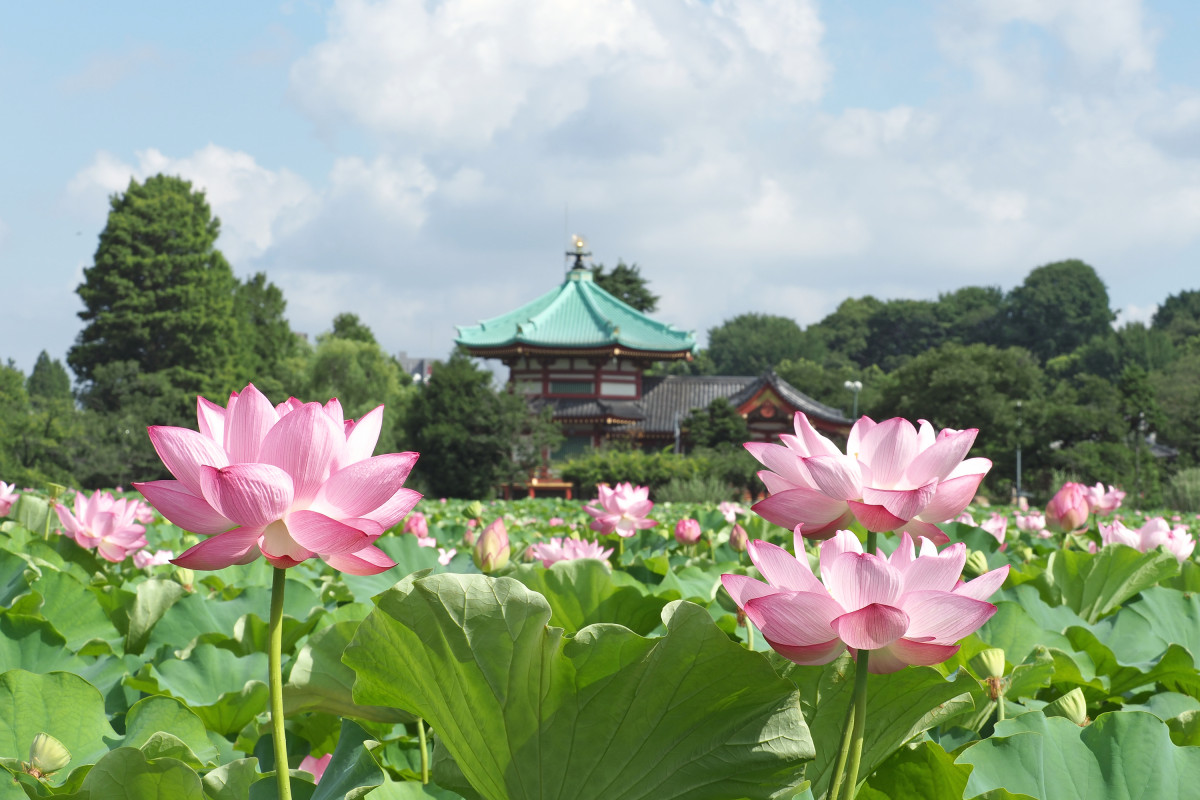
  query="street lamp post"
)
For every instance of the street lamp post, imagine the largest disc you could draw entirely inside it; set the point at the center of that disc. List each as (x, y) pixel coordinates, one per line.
(856, 387)
(1019, 431)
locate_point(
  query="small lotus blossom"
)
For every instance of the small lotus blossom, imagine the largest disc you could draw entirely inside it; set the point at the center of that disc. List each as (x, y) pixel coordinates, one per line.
(426, 541)
(444, 555)
(997, 526)
(315, 766)
(1101, 501)
(567, 549)
(623, 509)
(1033, 522)
(8, 496)
(892, 477)
(554, 522)
(104, 524)
(730, 511)
(1154, 533)
(417, 524)
(1068, 510)
(143, 559)
(143, 512)
(687, 531)
(492, 549)
(289, 482)
(907, 608)
(966, 519)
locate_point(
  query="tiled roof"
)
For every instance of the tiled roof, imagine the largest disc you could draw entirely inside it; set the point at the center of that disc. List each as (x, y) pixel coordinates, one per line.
(578, 314)
(665, 396)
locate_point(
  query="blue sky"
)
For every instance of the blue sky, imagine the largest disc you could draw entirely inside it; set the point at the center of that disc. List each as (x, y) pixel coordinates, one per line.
(422, 163)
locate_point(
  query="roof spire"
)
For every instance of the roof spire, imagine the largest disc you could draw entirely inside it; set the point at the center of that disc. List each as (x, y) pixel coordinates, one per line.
(578, 251)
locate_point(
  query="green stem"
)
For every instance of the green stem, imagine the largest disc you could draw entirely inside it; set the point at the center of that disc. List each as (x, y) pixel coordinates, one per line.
(860, 719)
(424, 753)
(749, 634)
(274, 659)
(871, 541)
(1000, 708)
(839, 767)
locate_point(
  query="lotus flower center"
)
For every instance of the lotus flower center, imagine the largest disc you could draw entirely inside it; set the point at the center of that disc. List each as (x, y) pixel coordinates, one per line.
(277, 541)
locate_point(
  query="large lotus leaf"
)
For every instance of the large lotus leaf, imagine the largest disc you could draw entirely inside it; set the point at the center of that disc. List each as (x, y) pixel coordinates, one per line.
(527, 713)
(32, 643)
(73, 609)
(900, 705)
(1096, 584)
(60, 704)
(232, 780)
(583, 592)
(127, 774)
(197, 615)
(225, 690)
(1142, 630)
(153, 599)
(31, 512)
(16, 576)
(692, 583)
(321, 682)
(926, 771)
(1176, 667)
(1014, 631)
(352, 772)
(412, 790)
(1121, 756)
(160, 714)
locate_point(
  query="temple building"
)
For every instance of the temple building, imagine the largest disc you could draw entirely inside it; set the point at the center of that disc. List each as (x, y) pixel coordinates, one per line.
(584, 353)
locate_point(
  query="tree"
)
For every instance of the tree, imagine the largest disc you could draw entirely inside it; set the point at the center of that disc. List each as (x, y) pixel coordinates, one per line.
(1057, 308)
(900, 329)
(33, 431)
(844, 332)
(750, 344)
(1179, 316)
(719, 424)
(271, 355)
(159, 294)
(49, 381)
(826, 383)
(466, 432)
(626, 283)
(348, 326)
(973, 315)
(362, 377)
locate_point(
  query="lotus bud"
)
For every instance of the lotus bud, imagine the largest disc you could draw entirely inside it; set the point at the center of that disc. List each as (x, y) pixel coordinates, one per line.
(976, 564)
(47, 755)
(417, 524)
(989, 663)
(492, 549)
(1068, 510)
(475, 509)
(738, 540)
(687, 531)
(186, 577)
(1071, 705)
(55, 490)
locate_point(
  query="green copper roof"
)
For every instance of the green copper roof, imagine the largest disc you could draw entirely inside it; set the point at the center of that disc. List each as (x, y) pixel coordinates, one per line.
(578, 314)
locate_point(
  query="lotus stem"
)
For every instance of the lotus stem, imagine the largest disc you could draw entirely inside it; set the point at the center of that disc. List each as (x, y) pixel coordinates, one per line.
(839, 766)
(749, 634)
(424, 752)
(871, 541)
(274, 659)
(860, 718)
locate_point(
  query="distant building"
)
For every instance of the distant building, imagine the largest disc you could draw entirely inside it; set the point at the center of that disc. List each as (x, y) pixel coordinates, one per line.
(418, 368)
(584, 353)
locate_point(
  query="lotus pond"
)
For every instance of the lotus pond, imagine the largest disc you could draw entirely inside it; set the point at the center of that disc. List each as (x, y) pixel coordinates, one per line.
(635, 677)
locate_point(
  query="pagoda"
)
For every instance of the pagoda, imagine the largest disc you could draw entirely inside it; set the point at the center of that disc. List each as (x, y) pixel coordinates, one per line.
(583, 352)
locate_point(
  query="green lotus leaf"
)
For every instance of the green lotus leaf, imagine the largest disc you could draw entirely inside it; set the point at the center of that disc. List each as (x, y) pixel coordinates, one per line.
(1122, 755)
(32, 644)
(1096, 584)
(528, 713)
(926, 771)
(153, 599)
(582, 592)
(321, 682)
(160, 714)
(60, 704)
(127, 774)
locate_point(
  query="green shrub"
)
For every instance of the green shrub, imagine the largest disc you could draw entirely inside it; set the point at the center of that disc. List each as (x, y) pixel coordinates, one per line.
(640, 468)
(1183, 490)
(697, 489)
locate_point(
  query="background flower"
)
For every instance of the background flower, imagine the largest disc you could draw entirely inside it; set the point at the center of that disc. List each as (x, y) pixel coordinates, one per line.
(566, 549)
(104, 524)
(623, 509)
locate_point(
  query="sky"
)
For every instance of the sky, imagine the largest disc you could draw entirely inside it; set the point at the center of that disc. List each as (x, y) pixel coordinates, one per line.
(423, 163)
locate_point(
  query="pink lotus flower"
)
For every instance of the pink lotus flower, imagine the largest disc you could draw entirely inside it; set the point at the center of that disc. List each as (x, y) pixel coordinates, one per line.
(997, 526)
(906, 608)
(417, 524)
(1068, 510)
(1102, 502)
(565, 549)
(966, 519)
(730, 511)
(892, 477)
(1033, 522)
(426, 541)
(1156, 532)
(143, 559)
(623, 509)
(554, 522)
(444, 555)
(104, 524)
(8, 496)
(687, 531)
(289, 482)
(315, 766)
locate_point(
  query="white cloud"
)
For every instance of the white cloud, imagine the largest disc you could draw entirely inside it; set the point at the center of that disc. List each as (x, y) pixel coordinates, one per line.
(462, 73)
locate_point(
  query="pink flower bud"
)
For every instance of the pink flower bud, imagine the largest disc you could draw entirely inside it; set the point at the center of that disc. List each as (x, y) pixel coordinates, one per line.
(687, 531)
(738, 540)
(492, 549)
(1068, 510)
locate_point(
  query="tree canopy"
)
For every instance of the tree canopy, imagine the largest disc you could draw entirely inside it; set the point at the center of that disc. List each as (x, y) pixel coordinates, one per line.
(750, 344)
(625, 282)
